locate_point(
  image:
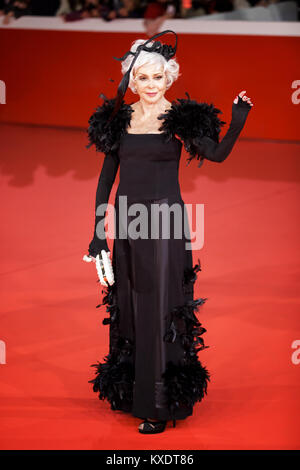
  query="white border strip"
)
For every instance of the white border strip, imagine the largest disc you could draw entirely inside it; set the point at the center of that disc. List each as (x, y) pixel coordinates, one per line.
(187, 26)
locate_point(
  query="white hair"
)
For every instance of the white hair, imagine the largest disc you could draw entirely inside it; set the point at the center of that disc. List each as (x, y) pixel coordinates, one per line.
(170, 67)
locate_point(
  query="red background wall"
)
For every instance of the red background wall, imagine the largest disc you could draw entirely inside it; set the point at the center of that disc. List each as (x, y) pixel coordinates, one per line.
(55, 77)
(250, 269)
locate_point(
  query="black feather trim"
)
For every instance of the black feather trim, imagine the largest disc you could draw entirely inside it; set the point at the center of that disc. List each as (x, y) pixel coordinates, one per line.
(190, 277)
(187, 118)
(109, 299)
(191, 120)
(186, 382)
(115, 376)
(106, 137)
(190, 336)
(193, 328)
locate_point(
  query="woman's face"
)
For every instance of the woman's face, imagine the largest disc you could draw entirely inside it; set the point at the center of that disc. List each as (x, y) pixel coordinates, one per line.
(150, 82)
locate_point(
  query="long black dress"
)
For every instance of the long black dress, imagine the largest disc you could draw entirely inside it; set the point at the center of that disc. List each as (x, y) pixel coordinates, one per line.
(152, 369)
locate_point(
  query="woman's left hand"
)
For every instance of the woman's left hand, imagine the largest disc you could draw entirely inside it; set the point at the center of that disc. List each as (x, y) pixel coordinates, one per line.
(244, 98)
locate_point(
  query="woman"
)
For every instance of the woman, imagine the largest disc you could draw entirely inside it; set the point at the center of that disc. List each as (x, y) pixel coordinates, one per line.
(152, 370)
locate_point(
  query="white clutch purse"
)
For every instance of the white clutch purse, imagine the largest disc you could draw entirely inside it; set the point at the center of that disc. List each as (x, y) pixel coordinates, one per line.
(103, 267)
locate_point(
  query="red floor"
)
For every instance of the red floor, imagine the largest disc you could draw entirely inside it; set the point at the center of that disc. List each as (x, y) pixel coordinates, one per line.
(53, 332)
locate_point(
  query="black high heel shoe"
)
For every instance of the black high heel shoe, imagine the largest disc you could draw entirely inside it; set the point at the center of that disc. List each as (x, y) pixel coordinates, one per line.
(152, 427)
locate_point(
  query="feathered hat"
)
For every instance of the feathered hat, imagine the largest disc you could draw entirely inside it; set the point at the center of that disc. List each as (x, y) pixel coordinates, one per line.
(166, 50)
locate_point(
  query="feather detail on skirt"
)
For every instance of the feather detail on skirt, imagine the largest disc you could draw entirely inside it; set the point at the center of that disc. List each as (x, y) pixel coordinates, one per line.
(115, 376)
(114, 380)
(186, 382)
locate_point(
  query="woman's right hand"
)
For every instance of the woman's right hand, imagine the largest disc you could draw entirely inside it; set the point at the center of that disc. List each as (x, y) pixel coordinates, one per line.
(103, 267)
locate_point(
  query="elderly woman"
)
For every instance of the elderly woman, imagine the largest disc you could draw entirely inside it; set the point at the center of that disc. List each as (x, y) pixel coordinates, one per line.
(152, 370)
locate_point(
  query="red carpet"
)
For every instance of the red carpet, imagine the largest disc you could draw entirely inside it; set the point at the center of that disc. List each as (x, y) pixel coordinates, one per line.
(53, 332)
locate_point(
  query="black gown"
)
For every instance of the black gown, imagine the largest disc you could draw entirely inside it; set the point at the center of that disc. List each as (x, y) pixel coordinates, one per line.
(152, 369)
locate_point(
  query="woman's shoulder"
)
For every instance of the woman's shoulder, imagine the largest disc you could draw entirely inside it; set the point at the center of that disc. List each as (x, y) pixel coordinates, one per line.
(103, 134)
(190, 118)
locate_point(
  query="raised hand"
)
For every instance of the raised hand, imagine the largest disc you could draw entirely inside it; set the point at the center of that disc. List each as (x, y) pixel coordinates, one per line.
(244, 98)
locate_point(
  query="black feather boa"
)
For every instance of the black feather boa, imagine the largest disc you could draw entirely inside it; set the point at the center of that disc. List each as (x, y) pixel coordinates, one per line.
(188, 119)
(191, 121)
(106, 137)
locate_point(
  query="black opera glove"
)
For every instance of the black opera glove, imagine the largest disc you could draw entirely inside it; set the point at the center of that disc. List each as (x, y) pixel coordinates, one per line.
(96, 245)
(218, 152)
(105, 182)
